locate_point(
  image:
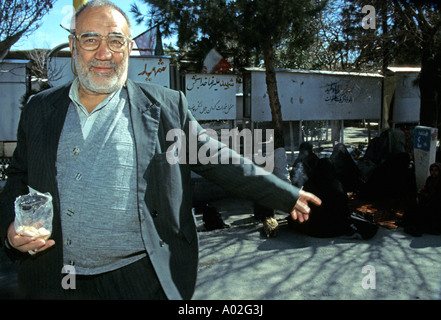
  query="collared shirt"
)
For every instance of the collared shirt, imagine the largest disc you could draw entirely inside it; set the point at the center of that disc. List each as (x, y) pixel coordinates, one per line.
(87, 119)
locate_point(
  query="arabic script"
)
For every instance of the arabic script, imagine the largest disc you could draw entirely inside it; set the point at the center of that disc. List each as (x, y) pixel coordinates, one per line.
(209, 82)
(207, 109)
(161, 67)
(335, 93)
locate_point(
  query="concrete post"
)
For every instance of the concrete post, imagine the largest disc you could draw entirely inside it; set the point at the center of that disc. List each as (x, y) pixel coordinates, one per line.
(425, 152)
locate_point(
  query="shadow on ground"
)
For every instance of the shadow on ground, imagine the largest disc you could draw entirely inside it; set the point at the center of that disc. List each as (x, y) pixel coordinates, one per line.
(240, 263)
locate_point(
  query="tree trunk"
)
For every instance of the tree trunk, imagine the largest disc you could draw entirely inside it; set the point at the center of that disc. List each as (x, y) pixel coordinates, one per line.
(428, 85)
(8, 42)
(271, 83)
(428, 111)
(280, 159)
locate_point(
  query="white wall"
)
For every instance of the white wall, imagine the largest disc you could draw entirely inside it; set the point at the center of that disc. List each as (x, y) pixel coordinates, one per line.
(13, 77)
(318, 95)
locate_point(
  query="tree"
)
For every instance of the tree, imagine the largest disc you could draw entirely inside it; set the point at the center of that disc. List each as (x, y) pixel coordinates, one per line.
(18, 18)
(200, 25)
(407, 32)
(322, 44)
(38, 58)
(423, 21)
(265, 25)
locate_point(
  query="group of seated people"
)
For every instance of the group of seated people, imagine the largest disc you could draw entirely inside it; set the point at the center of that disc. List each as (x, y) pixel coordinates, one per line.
(380, 175)
(331, 178)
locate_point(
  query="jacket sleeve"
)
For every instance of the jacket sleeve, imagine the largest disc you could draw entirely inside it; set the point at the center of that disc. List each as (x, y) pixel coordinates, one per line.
(16, 184)
(234, 172)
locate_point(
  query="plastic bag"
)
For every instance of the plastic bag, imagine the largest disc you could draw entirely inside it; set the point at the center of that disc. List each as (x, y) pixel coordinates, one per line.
(33, 215)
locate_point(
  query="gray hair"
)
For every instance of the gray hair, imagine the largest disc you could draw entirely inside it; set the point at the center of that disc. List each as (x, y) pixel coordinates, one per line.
(96, 4)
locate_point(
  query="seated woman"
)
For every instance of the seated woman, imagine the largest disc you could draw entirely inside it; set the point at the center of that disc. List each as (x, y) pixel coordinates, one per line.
(425, 215)
(331, 218)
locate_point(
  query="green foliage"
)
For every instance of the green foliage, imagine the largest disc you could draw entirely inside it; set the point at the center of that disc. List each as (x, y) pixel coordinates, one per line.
(237, 29)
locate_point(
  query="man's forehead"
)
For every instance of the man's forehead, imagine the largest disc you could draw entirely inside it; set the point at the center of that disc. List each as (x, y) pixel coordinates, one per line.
(101, 18)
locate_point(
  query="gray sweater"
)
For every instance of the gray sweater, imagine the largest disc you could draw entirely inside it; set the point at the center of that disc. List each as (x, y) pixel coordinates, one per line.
(97, 182)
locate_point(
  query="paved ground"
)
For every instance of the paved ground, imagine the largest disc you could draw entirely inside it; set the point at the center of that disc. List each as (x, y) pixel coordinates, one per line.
(241, 263)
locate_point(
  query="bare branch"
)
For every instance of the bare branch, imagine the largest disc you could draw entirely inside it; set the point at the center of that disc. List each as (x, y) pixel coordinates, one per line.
(19, 18)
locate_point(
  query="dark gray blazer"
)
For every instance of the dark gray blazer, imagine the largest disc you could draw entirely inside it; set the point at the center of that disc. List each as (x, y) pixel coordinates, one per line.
(164, 189)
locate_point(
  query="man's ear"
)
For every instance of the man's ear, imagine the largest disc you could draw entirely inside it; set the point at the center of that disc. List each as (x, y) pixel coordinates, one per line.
(72, 52)
(131, 47)
(71, 46)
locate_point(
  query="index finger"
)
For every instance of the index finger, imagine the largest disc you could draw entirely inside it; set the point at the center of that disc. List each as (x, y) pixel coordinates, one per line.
(311, 198)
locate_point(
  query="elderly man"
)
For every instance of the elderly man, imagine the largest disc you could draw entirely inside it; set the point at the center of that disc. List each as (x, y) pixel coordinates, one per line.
(122, 212)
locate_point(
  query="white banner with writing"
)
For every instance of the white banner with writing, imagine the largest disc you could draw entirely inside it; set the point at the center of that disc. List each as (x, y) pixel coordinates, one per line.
(211, 97)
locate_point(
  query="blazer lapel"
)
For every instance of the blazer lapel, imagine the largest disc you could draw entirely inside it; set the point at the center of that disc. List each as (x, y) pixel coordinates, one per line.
(53, 121)
(145, 113)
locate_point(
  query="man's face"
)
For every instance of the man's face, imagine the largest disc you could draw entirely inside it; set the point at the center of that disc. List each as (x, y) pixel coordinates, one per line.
(101, 70)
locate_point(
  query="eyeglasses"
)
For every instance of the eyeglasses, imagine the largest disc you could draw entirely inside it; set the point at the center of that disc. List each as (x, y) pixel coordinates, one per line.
(91, 41)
